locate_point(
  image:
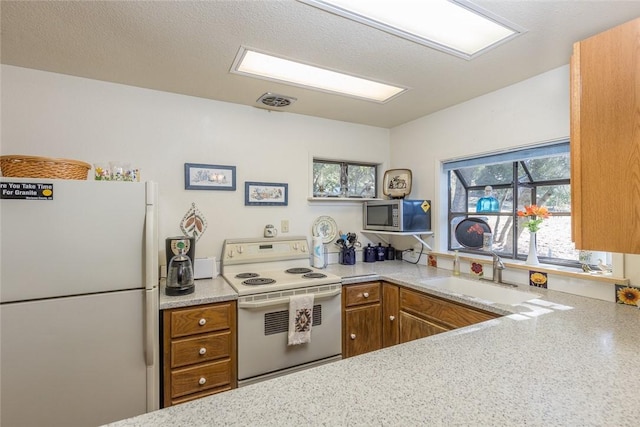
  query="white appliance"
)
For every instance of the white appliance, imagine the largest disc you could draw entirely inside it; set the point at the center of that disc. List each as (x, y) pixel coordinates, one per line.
(265, 273)
(79, 303)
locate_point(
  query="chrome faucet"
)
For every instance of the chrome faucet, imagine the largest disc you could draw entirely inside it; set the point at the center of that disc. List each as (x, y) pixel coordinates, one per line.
(498, 266)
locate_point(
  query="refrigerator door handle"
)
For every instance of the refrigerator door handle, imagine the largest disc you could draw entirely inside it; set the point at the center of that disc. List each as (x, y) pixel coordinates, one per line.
(151, 311)
(149, 278)
(149, 253)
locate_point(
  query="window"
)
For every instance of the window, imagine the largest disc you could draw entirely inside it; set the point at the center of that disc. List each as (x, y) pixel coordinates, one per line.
(344, 179)
(539, 176)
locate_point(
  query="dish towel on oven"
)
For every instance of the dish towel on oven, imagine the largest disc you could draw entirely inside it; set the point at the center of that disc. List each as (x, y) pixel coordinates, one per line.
(300, 318)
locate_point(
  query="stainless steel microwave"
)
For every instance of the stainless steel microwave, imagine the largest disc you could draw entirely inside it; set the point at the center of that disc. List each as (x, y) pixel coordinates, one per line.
(397, 215)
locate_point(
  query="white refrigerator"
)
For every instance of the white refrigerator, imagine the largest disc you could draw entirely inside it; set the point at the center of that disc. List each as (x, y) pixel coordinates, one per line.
(79, 302)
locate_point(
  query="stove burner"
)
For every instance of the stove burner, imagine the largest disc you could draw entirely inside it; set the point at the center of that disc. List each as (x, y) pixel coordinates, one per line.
(314, 276)
(258, 281)
(298, 270)
(246, 275)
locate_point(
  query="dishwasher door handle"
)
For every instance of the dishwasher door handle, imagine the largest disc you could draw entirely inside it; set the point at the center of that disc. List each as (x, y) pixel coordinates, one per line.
(285, 300)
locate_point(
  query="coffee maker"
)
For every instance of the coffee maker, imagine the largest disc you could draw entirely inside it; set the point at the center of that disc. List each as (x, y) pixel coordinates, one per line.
(180, 256)
(187, 243)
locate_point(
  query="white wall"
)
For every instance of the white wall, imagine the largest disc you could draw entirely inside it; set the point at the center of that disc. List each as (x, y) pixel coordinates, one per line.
(527, 113)
(533, 111)
(54, 115)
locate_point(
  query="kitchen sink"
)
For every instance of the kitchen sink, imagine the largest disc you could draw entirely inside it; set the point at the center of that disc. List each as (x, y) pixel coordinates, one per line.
(475, 288)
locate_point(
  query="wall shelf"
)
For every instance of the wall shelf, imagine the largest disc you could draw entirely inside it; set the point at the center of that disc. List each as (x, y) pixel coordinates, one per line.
(415, 234)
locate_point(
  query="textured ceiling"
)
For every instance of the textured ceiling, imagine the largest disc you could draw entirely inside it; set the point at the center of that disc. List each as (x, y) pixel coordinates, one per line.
(188, 47)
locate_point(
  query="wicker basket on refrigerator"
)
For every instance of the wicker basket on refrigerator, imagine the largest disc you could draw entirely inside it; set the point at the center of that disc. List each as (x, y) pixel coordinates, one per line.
(43, 167)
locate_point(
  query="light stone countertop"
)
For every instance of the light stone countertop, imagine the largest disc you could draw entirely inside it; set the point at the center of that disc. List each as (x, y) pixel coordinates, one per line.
(206, 291)
(559, 360)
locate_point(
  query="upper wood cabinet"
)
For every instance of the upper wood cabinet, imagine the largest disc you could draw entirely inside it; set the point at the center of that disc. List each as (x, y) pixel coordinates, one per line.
(605, 140)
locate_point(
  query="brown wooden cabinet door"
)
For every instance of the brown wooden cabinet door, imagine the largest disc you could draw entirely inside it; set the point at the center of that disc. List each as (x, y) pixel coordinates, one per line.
(605, 140)
(363, 330)
(412, 327)
(390, 309)
(446, 313)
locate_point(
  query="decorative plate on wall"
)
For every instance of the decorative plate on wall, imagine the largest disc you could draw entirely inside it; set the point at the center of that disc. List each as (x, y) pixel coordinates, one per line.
(470, 232)
(397, 183)
(325, 227)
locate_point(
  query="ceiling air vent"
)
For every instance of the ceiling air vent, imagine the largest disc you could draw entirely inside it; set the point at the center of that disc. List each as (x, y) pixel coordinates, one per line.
(276, 101)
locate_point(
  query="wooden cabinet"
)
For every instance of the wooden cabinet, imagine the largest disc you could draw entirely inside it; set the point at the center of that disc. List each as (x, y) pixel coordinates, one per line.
(380, 314)
(605, 140)
(199, 351)
(413, 327)
(423, 315)
(361, 315)
(390, 311)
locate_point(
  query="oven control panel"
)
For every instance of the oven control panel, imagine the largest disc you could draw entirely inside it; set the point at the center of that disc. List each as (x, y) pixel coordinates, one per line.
(244, 251)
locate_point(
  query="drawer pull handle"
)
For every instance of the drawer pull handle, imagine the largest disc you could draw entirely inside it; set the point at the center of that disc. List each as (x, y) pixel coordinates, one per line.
(392, 318)
(203, 351)
(202, 322)
(366, 294)
(202, 381)
(353, 336)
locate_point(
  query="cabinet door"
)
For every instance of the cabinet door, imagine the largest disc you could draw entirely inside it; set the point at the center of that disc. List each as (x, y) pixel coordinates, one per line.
(605, 140)
(446, 313)
(413, 328)
(363, 330)
(390, 308)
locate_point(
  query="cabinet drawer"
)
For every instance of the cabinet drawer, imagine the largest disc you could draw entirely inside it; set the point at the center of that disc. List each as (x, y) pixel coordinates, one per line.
(200, 320)
(195, 396)
(188, 351)
(365, 293)
(200, 378)
(447, 313)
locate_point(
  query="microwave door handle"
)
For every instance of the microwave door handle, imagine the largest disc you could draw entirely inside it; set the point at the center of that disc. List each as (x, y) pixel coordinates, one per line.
(285, 300)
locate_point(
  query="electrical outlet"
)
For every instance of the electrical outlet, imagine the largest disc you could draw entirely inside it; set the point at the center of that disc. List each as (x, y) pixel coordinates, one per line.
(284, 225)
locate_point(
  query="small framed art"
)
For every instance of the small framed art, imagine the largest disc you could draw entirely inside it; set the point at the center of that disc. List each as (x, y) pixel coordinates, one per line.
(209, 177)
(266, 194)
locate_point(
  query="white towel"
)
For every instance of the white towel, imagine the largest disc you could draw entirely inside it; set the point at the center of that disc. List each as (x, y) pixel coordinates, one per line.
(300, 318)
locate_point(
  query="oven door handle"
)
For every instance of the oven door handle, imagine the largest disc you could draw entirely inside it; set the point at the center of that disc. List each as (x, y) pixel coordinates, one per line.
(285, 300)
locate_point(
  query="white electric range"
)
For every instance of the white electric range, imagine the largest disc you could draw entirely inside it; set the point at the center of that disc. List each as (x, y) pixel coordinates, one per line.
(253, 266)
(266, 272)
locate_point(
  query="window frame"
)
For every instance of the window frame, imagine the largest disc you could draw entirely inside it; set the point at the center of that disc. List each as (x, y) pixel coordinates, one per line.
(344, 178)
(517, 158)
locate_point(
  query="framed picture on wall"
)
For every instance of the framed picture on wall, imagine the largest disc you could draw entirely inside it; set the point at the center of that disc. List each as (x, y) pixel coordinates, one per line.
(209, 177)
(266, 194)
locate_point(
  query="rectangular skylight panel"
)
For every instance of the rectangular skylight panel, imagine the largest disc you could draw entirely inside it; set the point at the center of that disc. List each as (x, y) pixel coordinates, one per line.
(291, 72)
(435, 23)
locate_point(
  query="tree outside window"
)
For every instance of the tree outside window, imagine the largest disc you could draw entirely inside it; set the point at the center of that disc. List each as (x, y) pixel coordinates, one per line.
(344, 179)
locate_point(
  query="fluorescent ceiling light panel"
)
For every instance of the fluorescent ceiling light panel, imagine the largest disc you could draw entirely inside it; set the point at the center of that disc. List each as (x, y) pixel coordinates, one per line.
(256, 64)
(456, 27)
